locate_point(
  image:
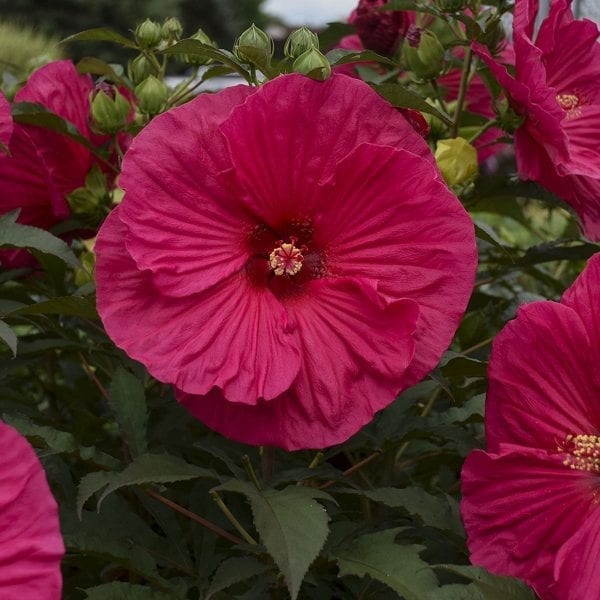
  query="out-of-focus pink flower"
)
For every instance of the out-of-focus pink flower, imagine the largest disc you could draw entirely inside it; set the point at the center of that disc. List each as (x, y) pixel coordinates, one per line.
(31, 546)
(380, 31)
(287, 257)
(45, 166)
(556, 88)
(530, 503)
(6, 122)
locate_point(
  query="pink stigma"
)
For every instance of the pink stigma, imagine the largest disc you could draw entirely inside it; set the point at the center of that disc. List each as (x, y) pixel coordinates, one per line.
(286, 259)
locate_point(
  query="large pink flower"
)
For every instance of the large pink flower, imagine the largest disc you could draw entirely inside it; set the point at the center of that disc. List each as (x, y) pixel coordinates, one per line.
(6, 122)
(531, 503)
(556, 88)
(287, 257)
(31, 545)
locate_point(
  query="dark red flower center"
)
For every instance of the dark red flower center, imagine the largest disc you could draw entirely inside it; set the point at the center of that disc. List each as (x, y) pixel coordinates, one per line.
(285, 257)
(582, 452)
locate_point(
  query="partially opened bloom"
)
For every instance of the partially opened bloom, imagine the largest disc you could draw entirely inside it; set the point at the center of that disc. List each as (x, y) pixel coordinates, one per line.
(556, 88)
(31, 545)
(288, 257)
(531, 502)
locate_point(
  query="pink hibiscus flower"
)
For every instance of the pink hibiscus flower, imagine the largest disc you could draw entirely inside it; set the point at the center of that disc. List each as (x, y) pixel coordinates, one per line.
(558, 93)
(6, 122)
(286, 256)
(45, 166)
(31, 545)
(530, 503)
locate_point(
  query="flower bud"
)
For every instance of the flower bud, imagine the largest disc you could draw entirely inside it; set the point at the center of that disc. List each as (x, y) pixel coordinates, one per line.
(172, 29)
(109, 111)
(457, 160)
(300, 41)
(196, 59)
(148, 34)
(139, 68)
(314, 64)
(450, 6)
(494, 36)
(253, 37)
(423, 53)
(380, 31)
(508, 119)
(151, 94)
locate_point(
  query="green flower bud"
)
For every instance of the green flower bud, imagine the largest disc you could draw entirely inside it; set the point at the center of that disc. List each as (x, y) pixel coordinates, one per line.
(457, 160)
(172, 29)
(424, 54)
(253, 37)
(139, 68)
(195, 59)
(450, 6)
(314, 64)
(300, 41)
(151, 94)
(494, 36)
(109, 111)
(148, 34)
(508, 119)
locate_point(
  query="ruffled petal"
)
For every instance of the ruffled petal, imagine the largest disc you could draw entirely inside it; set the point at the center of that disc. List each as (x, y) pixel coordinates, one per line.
(287, 139)
(6, 122)
(576, 566)
(355, 350)
(233, 335)
(185, 223)
(540, 383)
(31, 545)
(385, 216)
(519, 507)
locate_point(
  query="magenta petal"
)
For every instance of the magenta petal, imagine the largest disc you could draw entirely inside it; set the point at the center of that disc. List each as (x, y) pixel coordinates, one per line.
(355, 350)
(185, 224)
(576, 566)
(6, 122)
(519, 508)
(31, 545)
(288, 137)
(388, 218)
(233, 336)
(540, 389)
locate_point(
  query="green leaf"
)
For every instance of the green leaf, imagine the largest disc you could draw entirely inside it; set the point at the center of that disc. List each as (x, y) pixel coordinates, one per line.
(96, 66)
(128, 402)
(100, 34)
(259, 57)
(28, 113)
(89, 485)
(400, 96)
(399, 567)
(440, 512)
(457, 591)
(340, 56)
(119, 590)
(154, 468)
(493, 587)
(9, 337)
(234, 570)
(26, 236)
(292, 526)
(465, 367)
(76, 306)
(194, 47)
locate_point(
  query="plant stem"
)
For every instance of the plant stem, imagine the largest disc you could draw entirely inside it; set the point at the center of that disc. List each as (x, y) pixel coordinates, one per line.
(359, 465)
(482, 130)
(251, 472)
(462, 91)
(231, 518)
(197, 518)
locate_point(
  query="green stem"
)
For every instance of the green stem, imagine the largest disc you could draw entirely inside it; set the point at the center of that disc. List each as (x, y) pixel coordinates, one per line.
(482, 130)
(251, 472)
(231, 518)
(462, 91)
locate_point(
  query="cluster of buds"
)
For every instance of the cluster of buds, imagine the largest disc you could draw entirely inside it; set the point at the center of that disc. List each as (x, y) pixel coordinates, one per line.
(109, 109)
(424, 55)
(150, 34)
(302, 47)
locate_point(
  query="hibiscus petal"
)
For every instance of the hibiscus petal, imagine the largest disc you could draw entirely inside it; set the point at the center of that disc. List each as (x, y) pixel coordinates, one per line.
(385, 216)
(519, 507)
(31, 545)
(234, 335)
(540, 388)
(185, 223)
(279, 159)
(355, 350)
(6, 122)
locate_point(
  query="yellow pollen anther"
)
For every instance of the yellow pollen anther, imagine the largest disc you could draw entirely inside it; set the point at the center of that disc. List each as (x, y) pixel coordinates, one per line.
(286, 259)
(582, 452)
(568, 102)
